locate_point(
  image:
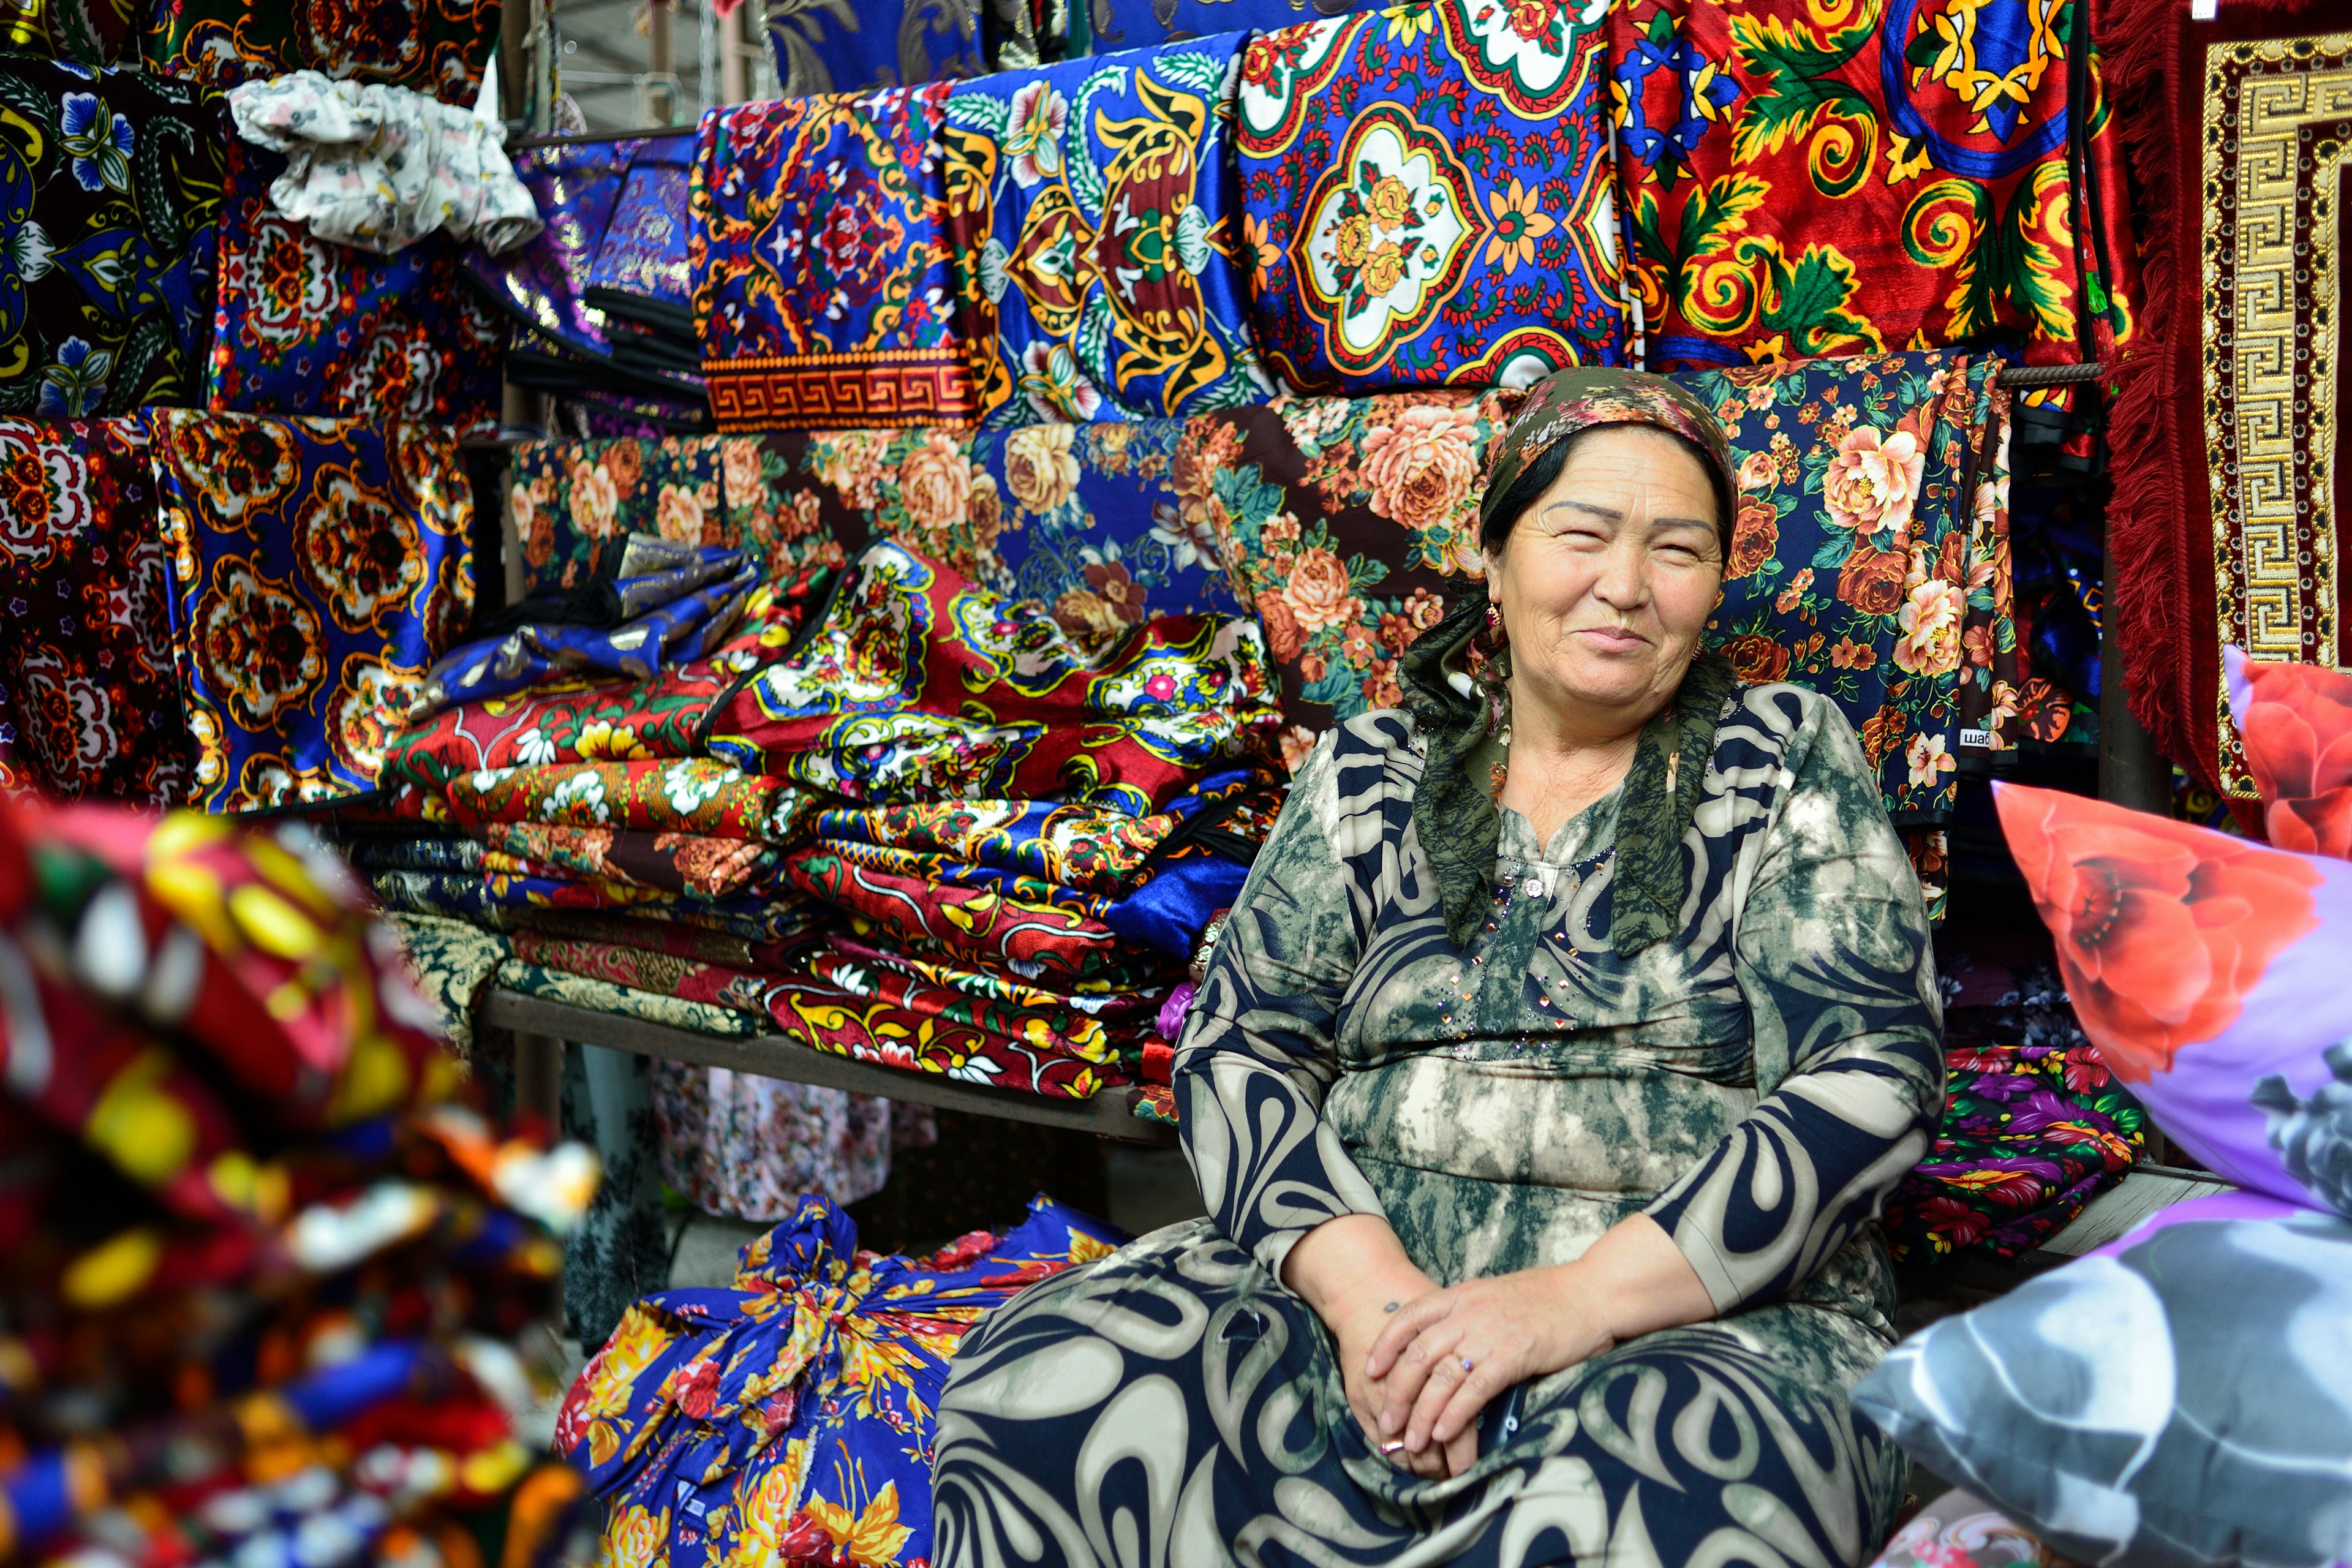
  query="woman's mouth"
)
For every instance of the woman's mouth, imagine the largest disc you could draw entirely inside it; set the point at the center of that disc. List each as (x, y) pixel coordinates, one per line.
(1614, 639)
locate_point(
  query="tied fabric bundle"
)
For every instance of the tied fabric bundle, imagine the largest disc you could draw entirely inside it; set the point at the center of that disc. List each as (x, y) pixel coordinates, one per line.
(379, 168)
(919, 686)
(1427, 197)
(792, 1415)
(1093, 217)
(821, 286)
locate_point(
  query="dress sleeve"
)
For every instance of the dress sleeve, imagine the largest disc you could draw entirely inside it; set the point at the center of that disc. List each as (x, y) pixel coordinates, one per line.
(1259, 1049)
(1832, 953)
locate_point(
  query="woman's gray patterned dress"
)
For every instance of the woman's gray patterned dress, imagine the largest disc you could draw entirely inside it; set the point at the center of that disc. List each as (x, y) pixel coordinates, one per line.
(1755, 1083)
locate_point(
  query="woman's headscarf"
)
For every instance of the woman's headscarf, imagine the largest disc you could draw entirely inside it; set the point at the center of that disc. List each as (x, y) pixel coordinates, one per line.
(1453, 808)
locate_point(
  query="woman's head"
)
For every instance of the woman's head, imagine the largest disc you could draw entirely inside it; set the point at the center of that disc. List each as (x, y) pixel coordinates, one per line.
(1605, 533)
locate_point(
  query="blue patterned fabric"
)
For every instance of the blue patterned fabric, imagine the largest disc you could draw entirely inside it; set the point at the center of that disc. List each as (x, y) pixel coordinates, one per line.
(791, 1418)
(1097, 526)
(641, 266)
(686, 628)
(1093, 217)
(873, 43)
(1427, 198)
(1139, 24)
(317, 567)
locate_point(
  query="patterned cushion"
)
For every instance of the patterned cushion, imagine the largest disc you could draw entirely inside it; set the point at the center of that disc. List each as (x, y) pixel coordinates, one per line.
(317, 568)
(1091, 213)
(1426, 196)
(2175, 1397)
(822, 288)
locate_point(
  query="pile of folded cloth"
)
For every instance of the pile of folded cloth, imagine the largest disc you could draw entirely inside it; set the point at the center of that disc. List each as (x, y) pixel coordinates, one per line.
(268, 1278)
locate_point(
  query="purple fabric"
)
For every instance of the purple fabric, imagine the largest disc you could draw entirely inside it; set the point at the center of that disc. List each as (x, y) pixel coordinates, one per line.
(2220, 1206)
(542, 284)
(1171, 1012)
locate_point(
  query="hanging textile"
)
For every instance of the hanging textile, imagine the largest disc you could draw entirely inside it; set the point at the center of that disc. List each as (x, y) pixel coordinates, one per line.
(842, 48)
(1796, 182)
(543, 282)
(1144, 24)
(748, 1147)
(85, 587)
(111, 185)
(317, 568)
(87, 32)
(438, 48)
(822, 292)
(2231, 478)
(919, 686)
(379, 168)
(1094, 223)
(308, 328)
(1428, 200)
(641, 270)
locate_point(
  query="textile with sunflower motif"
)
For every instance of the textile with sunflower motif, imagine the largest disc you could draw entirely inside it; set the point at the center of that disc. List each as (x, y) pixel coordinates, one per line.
(791, 1418)
(576, 502)
(317, 570)
(920, 687)
(1093, 218)
(1427, 196)
(686, 795)
(304, 327)
(110, 184)
(87, 32)
(1797, 181)
(1855, 563)
(87, 661)
(574, 720)
(822, 291)
(2034, 1125)
(438, 48)
(541, 283)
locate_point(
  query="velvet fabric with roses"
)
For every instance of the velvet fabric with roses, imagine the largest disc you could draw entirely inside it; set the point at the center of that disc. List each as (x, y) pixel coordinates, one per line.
(317, 569)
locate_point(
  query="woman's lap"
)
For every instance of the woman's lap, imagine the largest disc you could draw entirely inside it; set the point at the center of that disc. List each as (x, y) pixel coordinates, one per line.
(1172, 1405)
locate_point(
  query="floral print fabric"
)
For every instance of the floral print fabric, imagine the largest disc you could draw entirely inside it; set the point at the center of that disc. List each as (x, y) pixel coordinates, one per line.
(791, 1416)
(1094, 222)
(317, 569)
(379, 168)
(686, 795)
(920, 687)
(308, 328)
(88, 32)
(1861, 181)
(438, 48)
(822, 288)
(1427, 197)
(751, 1147)
(110, 187)
(85, 585)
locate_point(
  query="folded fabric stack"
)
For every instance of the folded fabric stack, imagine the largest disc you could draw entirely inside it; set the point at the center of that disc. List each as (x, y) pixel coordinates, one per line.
(262, 1269)
(790, 1418)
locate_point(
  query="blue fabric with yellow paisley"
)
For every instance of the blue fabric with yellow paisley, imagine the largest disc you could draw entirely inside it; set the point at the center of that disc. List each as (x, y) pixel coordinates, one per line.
(1427, 196)
(1093, 215)
(317, 568)
(791, 1418)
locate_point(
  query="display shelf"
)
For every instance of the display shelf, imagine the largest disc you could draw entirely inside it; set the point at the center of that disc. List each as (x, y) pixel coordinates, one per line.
(1109, 1114)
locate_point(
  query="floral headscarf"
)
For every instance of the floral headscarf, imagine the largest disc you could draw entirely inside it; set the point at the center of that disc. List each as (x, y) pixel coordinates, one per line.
(1453, 807)
(1568, 402)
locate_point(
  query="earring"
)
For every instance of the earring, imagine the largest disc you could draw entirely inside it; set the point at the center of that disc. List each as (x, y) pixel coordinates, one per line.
(1494, 619)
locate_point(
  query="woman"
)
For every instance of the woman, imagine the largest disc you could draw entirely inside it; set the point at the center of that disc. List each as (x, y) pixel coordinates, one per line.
(1543, 1090)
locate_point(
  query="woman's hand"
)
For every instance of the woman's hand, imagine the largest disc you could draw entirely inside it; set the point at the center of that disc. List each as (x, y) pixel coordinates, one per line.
(1441, 1358)
(1444, 1355)
(1354, 1273)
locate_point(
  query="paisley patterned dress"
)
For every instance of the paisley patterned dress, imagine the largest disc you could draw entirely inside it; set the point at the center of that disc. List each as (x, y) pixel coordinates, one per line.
(1755, 1083)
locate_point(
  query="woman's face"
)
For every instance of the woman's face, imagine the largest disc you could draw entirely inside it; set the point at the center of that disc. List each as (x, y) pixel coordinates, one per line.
(1606, 582)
